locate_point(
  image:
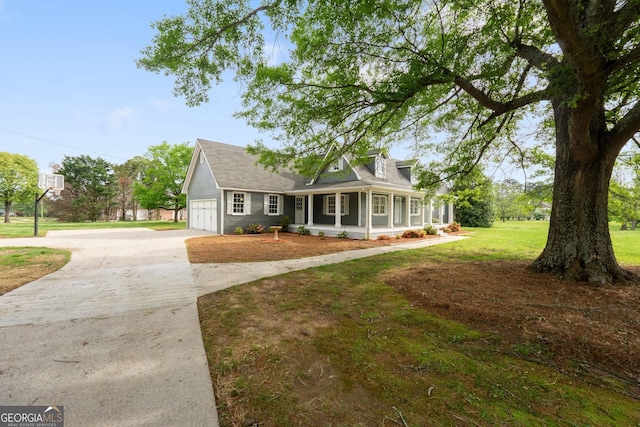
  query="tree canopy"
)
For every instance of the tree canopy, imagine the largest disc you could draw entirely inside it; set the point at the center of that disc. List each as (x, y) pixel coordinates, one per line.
(90, 184)
(162, 181)
(18, 180)
(366, 74)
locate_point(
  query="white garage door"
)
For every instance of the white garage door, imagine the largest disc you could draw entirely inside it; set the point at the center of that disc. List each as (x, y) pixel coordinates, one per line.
(203, 215)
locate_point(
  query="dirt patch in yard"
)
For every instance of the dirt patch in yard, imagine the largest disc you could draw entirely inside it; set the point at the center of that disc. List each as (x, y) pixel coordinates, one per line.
(578, 328)
(20, 266)
(263, 247)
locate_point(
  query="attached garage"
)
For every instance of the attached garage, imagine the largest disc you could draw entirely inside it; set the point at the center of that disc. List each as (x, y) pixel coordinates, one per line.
(203, 215)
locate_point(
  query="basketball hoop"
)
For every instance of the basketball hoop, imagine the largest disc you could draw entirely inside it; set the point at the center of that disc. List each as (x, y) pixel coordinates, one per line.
(49, 182)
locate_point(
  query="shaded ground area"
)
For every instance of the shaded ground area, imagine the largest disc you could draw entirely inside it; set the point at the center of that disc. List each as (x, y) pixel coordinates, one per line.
(582, 329)
(263, 247)
(590, 331)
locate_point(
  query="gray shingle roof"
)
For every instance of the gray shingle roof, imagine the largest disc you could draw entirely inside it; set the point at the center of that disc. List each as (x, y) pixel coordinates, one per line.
(393, 175)
(234, 168)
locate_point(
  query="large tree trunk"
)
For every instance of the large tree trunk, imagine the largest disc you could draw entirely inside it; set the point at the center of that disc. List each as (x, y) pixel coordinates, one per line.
(579, 244)
(7, 211)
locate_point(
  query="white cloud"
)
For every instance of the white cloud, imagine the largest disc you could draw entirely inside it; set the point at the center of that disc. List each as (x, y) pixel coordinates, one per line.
(120, 117)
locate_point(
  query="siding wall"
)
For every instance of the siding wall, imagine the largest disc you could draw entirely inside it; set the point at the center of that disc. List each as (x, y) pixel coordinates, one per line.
(256, 216)
(203, 186)
(320, 218)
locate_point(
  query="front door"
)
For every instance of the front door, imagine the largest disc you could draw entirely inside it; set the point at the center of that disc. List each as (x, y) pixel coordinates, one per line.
(397, 210)
(299, 210)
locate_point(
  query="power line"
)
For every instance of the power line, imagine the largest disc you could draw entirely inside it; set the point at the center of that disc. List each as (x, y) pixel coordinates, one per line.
(61, 144)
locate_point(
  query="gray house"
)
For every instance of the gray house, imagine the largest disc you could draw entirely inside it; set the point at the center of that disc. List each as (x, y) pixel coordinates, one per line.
(226, 189)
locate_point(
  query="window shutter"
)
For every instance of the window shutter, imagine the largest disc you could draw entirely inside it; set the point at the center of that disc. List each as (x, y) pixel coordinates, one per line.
(346, 204)
(229, 203)
(247, 203)
(280, 204)
(266, 203)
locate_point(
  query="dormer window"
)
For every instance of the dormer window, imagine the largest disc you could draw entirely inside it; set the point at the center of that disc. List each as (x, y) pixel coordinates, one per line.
(380, 167)
(336, 166)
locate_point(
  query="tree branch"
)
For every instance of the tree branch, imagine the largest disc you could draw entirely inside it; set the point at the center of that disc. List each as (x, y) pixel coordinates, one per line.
(536, 57)
(626, 128)
(624, 61)
(622, 18)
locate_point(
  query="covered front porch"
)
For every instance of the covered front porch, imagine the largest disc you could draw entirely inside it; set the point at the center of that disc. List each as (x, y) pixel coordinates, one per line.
(368, 213)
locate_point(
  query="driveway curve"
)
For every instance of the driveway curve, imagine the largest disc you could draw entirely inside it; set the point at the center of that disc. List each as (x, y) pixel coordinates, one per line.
(114, 335)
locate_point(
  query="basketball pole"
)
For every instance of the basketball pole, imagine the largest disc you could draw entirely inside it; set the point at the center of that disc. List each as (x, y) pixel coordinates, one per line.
(35, 213)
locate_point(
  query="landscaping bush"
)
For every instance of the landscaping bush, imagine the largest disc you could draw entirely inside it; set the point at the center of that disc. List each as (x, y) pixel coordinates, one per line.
(413, 234)
(320, 233)
(384, 237)
(342, 235)
(238, 230)
(455, 226)
(254, 229)
(430, 230)
(303, 231)
(285, 221)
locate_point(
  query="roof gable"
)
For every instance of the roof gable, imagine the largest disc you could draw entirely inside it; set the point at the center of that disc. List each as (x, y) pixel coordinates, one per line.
(234, 168)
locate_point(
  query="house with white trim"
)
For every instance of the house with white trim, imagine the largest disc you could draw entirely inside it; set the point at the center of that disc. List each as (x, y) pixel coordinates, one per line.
(226, 189)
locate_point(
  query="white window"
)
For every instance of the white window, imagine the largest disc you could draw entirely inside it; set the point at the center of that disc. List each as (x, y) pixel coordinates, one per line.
(380, 167)
(336, 166)
(272, 204)
(379, 204)
(414, 207)
(201, 157)
(238, 203)
(330, 204)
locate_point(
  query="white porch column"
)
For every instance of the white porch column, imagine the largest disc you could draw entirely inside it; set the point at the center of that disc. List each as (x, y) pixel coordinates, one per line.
(310, 210)
(430, 212)
(338, 210)
(441, 213)
(450, 212)
(421, 205)
(407, 210)
(392, 204)
(359, 208)
(369, 226)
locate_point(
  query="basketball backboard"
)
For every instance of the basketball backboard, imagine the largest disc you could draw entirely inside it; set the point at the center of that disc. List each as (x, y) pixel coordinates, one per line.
(51, 181)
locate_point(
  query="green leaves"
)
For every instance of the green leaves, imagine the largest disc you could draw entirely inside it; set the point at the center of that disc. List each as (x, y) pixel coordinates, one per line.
(164, 177)
(18, 180)
(90, 184)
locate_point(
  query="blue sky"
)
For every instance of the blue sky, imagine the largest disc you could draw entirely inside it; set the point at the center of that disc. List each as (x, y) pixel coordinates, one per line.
(69, 84)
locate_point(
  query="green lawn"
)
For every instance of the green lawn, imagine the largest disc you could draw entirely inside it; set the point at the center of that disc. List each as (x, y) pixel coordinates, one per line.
(335, 345)
(524, 240)
(23, 227)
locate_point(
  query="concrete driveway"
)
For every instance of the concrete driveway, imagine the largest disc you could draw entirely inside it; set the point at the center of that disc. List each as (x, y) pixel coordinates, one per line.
(114, 335)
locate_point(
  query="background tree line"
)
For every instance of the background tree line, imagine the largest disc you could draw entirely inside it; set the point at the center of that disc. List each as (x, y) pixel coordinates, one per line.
(96, 189)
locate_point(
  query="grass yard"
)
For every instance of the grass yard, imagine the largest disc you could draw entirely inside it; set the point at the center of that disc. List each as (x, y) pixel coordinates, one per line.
(457, 334)
(23, 227)
(21, 265)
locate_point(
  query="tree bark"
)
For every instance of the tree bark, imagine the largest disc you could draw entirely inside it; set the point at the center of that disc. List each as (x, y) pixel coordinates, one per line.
(7, 212)
(579, 244)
